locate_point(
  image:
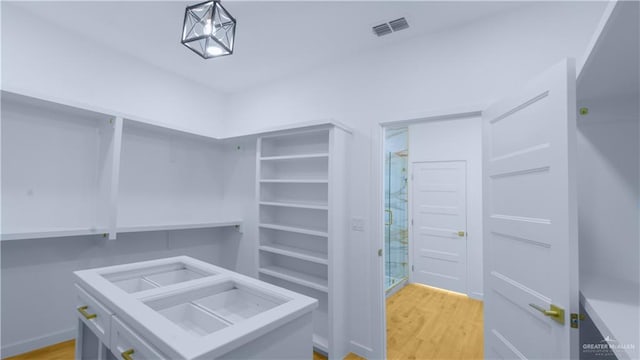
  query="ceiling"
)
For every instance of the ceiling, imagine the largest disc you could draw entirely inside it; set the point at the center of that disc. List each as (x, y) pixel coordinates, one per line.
(273, 39)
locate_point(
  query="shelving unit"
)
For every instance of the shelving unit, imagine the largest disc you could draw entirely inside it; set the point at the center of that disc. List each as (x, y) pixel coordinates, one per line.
(609, 180)
(69, 171)
(302, 230)
(53, 179)
(183, 226)
(169, 180)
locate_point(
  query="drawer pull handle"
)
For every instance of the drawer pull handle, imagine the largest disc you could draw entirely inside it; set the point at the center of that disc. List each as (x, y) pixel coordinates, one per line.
(126, 355)
(83, 311)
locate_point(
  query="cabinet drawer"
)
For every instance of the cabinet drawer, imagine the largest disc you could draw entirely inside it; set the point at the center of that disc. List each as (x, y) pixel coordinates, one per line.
(124, 340)
(95, 315)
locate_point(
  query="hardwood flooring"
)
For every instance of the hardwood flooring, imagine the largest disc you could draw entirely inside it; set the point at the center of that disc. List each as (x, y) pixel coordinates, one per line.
(429, 323)
(62, 351)
(422, 323)
(66, 351)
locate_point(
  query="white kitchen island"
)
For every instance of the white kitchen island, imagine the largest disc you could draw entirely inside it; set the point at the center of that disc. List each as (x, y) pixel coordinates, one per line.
(183, 308)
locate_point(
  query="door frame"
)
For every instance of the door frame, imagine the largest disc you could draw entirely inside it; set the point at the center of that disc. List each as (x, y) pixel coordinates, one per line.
(466, 222)
(379, 323)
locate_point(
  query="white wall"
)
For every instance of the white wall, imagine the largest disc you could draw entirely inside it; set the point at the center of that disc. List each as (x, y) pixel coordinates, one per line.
(608, 192)
(40, 58)
(449, 140)
(239, 190)
(474, 64)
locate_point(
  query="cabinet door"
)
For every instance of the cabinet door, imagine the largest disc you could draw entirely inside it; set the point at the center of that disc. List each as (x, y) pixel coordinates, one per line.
(126, 344)
(95, 315)
(530, 220)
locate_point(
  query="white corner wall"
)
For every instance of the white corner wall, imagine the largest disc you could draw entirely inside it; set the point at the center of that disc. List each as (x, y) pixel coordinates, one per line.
(41, 59)
(608, 190)
(472, 64)
(455, 140)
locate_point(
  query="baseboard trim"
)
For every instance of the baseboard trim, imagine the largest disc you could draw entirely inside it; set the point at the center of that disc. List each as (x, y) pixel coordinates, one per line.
(360, 350)
(396, 288)
(476, 295)
(37, 343)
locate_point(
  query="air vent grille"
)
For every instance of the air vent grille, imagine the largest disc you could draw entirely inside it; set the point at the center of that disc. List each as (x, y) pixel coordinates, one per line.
(382, 29)
(391, 26)
(399, 24)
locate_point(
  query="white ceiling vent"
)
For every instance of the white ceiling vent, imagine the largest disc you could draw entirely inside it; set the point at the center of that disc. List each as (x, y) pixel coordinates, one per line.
(391, 26)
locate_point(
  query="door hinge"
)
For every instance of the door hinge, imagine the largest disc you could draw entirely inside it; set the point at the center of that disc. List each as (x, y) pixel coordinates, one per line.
(574, 320)
(379, 252)
(413, 268)
(411, 222)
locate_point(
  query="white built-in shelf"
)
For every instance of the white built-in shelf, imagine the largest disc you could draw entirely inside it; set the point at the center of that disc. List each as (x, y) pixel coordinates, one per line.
(299, 278)
(294, 229)
(52, 233)
(295, 157)
(295, 205)
(295, 181)
(614, 307)
(301, 223)
(298, 253)
(183, 226)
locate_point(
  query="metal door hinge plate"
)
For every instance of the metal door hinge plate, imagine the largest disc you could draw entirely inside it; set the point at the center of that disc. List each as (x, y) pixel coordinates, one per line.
(574, 320)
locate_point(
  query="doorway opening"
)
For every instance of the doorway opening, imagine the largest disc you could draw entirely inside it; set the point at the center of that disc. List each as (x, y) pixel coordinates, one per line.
(431, 292)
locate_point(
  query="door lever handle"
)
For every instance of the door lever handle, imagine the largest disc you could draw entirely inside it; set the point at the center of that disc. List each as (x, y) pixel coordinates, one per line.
(555, 313)
(544, 311)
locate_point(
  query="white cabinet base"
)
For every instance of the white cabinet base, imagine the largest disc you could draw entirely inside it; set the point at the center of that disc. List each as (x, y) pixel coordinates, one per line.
(190, 310)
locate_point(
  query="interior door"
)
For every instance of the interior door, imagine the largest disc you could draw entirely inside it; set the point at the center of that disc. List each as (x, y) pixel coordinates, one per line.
(440, 223)
(530, 220)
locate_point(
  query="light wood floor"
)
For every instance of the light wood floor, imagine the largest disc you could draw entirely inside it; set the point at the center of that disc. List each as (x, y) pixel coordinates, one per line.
(62, 351)
(422, 323)
(428, 323)
(66, 351)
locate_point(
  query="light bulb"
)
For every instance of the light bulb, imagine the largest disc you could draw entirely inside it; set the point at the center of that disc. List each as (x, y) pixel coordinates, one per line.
(206, 30)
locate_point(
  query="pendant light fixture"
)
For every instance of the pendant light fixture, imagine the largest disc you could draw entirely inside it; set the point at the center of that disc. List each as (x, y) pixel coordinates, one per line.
(209, 30)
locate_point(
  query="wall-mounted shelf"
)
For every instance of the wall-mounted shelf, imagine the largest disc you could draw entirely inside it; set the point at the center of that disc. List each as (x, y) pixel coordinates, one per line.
(313, 282)
(295, 157)
(51, 233)
(184, 226)
(295, 181)
(69, 171)
(295, 252)
(295, 205)
(294, 229)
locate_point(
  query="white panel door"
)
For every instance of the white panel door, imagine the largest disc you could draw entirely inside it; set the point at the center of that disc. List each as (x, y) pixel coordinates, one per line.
(530, 220)
(440, 224)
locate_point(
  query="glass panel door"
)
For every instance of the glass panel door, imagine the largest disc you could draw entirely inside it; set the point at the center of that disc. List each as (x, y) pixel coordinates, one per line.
(396, 207)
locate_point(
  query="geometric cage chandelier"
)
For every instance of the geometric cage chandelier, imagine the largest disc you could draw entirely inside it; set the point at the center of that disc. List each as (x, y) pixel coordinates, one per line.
(209, 30)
